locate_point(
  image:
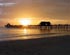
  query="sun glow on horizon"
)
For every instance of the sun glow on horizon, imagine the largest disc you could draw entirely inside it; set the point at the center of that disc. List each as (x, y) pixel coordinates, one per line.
(25, 21)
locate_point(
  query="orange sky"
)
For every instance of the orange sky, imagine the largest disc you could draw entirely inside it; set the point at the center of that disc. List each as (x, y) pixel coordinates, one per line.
(35, 21)
(55, 11)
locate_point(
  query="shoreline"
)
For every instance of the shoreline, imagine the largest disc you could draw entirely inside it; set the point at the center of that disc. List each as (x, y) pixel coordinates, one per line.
(32, 36)
(40, 46)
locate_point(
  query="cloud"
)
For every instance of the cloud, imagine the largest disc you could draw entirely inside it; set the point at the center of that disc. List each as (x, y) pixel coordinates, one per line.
(7, 4)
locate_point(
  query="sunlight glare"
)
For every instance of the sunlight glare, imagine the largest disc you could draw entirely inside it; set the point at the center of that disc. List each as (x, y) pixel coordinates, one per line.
(25, 22)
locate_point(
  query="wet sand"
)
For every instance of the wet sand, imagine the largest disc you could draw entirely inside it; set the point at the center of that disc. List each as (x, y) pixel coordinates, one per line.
(42, 46)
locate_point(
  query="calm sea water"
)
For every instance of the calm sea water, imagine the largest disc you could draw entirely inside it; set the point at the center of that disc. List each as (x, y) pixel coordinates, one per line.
(13, 34)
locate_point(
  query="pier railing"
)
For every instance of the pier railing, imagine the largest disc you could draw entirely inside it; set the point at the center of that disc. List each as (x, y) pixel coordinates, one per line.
(50, 27)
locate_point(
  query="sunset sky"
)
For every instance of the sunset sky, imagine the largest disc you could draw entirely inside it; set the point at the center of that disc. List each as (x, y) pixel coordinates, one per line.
(55, 11)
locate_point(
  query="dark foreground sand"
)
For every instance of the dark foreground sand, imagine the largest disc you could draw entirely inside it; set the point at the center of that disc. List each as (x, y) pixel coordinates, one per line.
(41, 46)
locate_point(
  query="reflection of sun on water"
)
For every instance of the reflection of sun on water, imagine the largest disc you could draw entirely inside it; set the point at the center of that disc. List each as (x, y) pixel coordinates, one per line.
(25, 22)
(24, 37)
(25, 31)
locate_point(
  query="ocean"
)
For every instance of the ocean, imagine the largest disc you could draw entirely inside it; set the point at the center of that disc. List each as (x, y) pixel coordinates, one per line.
(24, 34)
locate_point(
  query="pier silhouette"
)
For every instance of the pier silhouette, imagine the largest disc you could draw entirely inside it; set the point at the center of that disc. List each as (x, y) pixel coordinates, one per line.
(42, 25)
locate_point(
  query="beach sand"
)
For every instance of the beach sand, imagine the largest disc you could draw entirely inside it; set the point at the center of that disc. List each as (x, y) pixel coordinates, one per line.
(42, 46)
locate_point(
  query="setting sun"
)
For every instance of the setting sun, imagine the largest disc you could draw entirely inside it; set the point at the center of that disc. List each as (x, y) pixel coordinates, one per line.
(25, 22)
